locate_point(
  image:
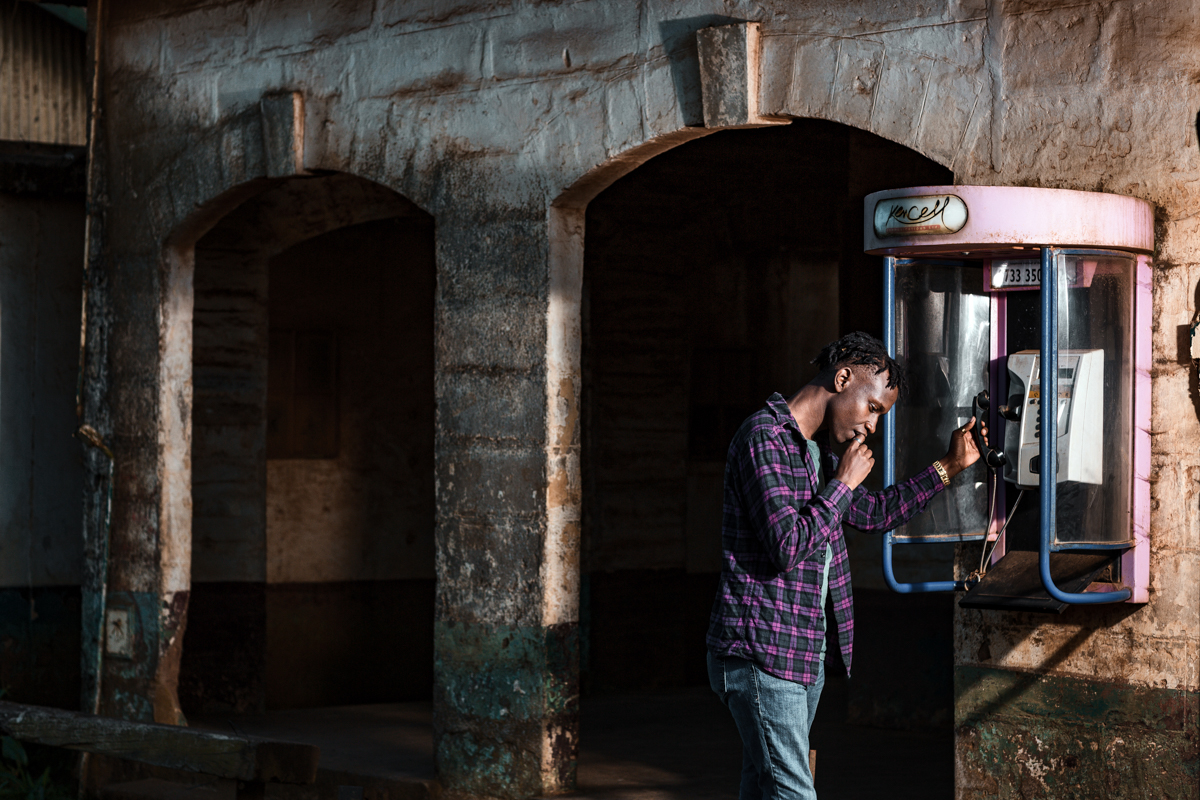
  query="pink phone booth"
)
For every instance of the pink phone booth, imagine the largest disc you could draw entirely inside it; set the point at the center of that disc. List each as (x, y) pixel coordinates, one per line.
(982, 286)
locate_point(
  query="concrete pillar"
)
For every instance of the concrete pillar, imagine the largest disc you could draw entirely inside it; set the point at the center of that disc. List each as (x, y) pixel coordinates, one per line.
(138, 401)
(506, 633)
(137, 398)
(730, 59)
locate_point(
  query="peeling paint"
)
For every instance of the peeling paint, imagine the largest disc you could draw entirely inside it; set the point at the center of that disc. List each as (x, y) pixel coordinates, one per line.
(509, 697)
(1025, 735)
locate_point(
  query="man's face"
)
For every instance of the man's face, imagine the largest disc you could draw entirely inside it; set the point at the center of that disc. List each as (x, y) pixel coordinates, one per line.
(861, 398)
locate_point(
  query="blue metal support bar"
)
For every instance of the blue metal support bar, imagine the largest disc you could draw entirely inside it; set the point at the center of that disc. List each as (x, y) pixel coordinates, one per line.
(1048, 414)
(889, 443)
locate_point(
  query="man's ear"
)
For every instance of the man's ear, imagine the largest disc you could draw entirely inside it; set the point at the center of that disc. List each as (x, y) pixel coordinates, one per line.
(842, 378)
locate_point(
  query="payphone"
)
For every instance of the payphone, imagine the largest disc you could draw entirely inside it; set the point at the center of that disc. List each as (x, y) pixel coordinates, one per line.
(1078, 406)
(983, 287)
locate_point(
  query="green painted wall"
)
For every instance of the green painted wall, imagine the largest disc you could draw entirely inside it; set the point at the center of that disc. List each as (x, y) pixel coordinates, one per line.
(498, 687)
(1024, 735)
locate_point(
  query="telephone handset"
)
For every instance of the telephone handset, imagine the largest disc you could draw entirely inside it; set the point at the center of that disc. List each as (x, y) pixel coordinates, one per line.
(993, 458)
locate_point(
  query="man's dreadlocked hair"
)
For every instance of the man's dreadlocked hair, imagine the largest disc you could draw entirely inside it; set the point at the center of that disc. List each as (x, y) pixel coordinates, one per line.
(862, 348)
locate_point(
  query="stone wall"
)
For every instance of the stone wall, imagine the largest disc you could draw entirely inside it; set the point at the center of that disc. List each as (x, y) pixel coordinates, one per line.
(503, 122)
(364, 511)
(350, 560)
(1075, 107)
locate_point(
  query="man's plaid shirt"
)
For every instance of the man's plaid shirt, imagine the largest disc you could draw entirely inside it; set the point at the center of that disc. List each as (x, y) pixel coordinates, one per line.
(773, 535)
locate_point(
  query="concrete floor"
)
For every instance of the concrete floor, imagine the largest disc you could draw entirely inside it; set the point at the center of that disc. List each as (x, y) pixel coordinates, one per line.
(667, 745)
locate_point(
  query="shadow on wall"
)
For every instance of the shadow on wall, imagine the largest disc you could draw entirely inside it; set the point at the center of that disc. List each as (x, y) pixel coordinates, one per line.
(1189, 346)
(1089, 619)
(1024, 679)
(350, 492)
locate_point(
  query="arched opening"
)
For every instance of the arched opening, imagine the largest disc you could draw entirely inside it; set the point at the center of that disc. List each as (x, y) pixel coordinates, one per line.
(312, 452)
(712, 275)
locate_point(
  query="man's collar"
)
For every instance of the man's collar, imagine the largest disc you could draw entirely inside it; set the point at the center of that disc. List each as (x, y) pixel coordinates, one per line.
(779, 408)
(777, 403)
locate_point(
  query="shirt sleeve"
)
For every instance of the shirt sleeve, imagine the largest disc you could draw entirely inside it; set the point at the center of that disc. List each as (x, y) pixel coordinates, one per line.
(789, 524)
(895, 505)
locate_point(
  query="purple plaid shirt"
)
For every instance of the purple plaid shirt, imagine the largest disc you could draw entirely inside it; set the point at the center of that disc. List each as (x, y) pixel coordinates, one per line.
(773, 536)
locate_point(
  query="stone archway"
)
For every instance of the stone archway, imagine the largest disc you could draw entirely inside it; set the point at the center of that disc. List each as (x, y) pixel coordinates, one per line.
(747, 82)
(137, 396)
(918, 99)
(244, 154)
(295, 505)
(138, 377)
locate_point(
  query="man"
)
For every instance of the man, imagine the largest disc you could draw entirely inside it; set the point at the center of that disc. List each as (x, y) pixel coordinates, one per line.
(786, 499)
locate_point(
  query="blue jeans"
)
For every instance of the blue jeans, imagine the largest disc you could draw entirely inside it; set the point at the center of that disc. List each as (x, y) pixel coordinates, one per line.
(774, 717)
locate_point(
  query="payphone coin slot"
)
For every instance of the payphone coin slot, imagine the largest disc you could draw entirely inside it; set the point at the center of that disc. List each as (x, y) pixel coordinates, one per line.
(1035, 465)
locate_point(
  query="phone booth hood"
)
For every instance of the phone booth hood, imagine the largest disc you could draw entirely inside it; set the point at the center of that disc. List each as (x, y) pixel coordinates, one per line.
(982, 284)
(977, 221)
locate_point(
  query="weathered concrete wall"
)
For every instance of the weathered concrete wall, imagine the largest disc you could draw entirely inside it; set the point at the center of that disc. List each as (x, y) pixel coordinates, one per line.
(235, 309)
(503, 123)
(1081, 113)
(229, 379)
(699, 305)
(350, 539)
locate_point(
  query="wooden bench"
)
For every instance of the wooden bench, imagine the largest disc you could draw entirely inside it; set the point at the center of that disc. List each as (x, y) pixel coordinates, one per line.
(250, 760)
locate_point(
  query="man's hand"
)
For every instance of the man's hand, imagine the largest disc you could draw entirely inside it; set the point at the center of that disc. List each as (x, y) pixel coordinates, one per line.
(963, 452)
(855, 465)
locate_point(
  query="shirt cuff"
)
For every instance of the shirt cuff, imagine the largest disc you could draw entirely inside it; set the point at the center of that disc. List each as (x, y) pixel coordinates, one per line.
(929, 477)
(840, 495)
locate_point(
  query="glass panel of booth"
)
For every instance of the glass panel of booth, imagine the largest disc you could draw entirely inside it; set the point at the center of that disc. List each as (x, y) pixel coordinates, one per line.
(942, 338)
(964, 326)
(1096, 304)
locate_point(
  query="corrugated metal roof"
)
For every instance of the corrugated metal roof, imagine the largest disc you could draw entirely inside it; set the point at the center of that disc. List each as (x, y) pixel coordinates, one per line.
(43, 77)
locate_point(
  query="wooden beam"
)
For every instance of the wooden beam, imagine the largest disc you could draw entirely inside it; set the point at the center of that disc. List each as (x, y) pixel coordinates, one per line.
(244, 758)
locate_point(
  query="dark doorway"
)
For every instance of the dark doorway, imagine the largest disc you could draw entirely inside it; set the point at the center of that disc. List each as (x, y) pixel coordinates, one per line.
(713, 275)
(313, 426)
